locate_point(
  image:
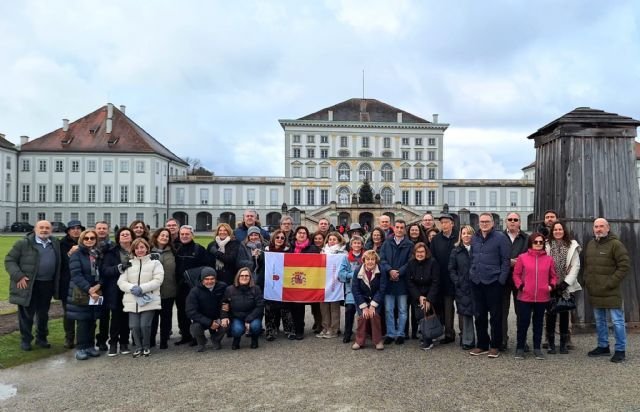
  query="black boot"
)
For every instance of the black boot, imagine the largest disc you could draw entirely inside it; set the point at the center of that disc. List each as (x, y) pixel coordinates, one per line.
(236, 343)
(347, 337)
(163, 343)
(254, 341)
(563, 344)
(201, 342)
(216, 339)
(552, 346)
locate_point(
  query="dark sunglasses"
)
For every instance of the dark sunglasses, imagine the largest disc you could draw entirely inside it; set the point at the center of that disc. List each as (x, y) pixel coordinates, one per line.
(513, 219)
(89, 238)
(538, 242)
(280, 237)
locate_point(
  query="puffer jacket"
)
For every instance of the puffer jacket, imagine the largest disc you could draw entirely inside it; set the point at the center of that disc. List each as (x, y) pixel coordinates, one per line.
(424, 279)
(369, 292)
(459, 264)
(203, 306)
(80, 267)
(345, 275)
(572, 265)
(146, 273)
(66, 244)
(534, 269)
(606, 265)
(490, 258)
(110, 274)
(245, 302)
(23, 260)
(169, 288)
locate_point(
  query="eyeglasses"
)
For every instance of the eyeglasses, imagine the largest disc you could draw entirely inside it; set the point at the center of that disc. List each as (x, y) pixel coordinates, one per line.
(89, 238)
(513, 219)
(538, 242)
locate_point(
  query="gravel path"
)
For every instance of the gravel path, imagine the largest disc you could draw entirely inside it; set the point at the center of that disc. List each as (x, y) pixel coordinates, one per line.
(325, 374)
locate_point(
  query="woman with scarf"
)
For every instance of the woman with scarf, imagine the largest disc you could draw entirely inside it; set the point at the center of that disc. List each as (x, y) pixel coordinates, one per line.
(162, 250)
(85, 292)
(274, 310)
(351, 262)
(224, 249)
(423, 274)
(141, 283)
(302, 244)
(251, 255)
(459, 265)
(330, 311)
(565, 252)
(369, 284)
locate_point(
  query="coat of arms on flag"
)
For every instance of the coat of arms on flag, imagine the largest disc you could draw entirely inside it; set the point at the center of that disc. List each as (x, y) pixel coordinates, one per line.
(302, 277)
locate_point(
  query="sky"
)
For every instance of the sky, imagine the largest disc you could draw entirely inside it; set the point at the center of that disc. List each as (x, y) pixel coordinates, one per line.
(210, 79)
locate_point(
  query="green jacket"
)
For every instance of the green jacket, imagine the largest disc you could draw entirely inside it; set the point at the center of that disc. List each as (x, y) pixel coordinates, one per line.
(23, 260)
(606, 265)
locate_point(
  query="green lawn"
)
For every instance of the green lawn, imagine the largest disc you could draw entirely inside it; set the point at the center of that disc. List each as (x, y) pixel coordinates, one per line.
(11, 354)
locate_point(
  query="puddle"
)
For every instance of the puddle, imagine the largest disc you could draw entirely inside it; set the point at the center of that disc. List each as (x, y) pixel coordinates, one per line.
(7, 391)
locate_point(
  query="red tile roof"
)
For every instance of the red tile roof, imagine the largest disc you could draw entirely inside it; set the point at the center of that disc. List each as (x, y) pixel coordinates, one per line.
(89, 135)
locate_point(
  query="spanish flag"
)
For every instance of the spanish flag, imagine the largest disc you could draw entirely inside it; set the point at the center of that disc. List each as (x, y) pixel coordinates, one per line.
(306, 277)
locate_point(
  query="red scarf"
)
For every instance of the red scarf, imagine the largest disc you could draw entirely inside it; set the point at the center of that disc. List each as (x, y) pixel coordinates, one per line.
(300, 246)
(352, 258)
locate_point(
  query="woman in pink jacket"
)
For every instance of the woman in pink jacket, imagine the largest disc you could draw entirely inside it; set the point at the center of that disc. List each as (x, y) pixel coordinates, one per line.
(535, 277)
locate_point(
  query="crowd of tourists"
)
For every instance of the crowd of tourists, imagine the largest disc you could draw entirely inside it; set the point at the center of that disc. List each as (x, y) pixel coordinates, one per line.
(119, 294)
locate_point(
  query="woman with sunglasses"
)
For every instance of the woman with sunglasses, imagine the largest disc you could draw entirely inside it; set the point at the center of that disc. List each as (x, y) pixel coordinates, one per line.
(535, 277)
(83, 287)
(274, 310)
(245, 308)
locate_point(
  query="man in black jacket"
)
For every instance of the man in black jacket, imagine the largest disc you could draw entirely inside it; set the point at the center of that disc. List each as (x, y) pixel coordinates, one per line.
(204, 308)
(441, 247)
(518, 240)
(68, 246)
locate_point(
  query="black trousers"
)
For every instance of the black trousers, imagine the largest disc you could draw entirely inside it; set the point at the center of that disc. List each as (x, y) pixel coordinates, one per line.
(488, 300)
(551, 324)
(164, 317)
(86, 331)
(524, 320)
(69, 324)
(297, 313)
(184, 323)
(38, 309)
(349, 315)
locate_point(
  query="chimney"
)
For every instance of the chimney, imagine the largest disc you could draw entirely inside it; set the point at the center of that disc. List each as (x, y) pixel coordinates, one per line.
(330, 116)
(399, 117)
(435, 118)
(123, 108)
(109, 117)
(24, 140)
(65, 125)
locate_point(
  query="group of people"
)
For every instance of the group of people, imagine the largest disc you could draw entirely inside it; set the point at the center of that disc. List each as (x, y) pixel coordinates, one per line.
(393, 277)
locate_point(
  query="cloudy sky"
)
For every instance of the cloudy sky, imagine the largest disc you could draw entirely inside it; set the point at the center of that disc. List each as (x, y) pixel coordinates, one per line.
(211, 79)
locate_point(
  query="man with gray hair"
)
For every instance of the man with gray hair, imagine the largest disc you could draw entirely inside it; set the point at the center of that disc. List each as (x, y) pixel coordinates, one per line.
(286, 225)
(606, 265)
(249, 219)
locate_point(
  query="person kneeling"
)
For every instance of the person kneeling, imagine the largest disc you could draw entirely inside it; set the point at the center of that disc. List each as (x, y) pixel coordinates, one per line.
(246, 306)
(204, 308)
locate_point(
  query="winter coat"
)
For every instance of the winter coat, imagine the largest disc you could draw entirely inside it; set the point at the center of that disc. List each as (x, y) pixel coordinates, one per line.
(109, 274)
(459, 264)
(490, 258)
(65, 275)
(606, 265)
(81, 276)
(518, 246)
(441, 247)
(23, 260)
(254, 263)
(229, 258)
(245, 303)
(367, 292)
(146, 273)
(241, 233)
(188, 256)
(424, 279)
(572, 265)
(346, 272)
(534, 269)
(395, 256)
(203, 306)
(169, 287)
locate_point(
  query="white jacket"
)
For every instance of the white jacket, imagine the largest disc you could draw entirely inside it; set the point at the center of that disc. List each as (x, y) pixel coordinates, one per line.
(572, 265)
(146, 273)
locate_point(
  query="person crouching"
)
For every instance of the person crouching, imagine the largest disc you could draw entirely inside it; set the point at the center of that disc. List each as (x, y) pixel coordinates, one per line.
(204, 308)
(246, 307)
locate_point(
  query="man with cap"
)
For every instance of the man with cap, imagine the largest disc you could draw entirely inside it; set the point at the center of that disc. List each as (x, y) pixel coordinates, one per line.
(68, 246)
(441, 247)
(204, 309)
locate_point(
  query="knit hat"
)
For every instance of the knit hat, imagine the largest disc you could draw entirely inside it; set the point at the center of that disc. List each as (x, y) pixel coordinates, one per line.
(207, 271)
(253, 229)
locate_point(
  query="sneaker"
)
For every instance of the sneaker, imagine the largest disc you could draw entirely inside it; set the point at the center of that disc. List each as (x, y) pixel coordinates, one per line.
(146, 353)
(427, 347)
(494, 353)
(478, 352)
(599, 352)
(379, 346)
(291, 336)
(330, 335)
(519, 354)
(81, 354)
(92, 352)
(388, 340)
(137, 353)
(400, 340)
(321, 334)
(538, 354)
(113, 350)
(103, 347)
(124, 349)
(618, 356)
(355, 346)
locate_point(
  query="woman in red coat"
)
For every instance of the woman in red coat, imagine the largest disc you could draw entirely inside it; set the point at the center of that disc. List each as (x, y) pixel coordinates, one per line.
(535, 277)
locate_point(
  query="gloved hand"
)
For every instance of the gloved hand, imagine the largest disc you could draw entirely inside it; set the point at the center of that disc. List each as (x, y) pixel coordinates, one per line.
(562, 286)
(154, 256)
(124, 266)
(137, 291)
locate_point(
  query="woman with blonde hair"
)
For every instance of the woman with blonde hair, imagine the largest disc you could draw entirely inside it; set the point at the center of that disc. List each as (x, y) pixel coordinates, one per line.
(245, 308)
(224, 251)
(368, 289)
(330, 311)
(459, 264)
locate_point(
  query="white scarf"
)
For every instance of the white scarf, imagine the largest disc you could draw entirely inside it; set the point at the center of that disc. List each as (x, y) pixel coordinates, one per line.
(222, 243)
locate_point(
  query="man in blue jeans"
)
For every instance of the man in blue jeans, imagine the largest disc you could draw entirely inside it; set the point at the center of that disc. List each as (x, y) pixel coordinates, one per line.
(394, 256)
(606, 265)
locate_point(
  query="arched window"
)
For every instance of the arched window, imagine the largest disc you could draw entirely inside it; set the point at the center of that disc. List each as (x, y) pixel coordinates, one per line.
(386, 196)
(365, 172)
(344, 172)
(387, 173)
(343, 196)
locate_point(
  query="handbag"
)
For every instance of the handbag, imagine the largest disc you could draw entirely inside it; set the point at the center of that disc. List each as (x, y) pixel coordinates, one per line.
(79, 297)
(430, 325)
(565, 304)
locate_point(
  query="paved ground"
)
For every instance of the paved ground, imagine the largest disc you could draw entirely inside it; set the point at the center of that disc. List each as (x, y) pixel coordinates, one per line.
(317, 374)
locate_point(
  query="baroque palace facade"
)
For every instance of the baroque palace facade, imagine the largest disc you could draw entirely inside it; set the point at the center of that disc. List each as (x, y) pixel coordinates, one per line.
(104, 166)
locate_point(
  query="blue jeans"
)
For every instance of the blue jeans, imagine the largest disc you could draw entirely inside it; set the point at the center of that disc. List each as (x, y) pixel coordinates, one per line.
(389, 306)
(617, 318)
(237, 327)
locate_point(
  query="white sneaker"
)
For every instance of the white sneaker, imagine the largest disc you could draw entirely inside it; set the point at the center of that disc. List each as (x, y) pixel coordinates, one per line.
(428, 347)
(321, 334)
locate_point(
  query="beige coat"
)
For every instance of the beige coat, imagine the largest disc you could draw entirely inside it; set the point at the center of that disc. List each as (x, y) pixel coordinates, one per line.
(572, 265)
(146, 273)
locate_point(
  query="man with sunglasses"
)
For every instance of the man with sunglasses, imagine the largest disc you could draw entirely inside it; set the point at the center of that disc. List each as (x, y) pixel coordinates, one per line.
(518, 240)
